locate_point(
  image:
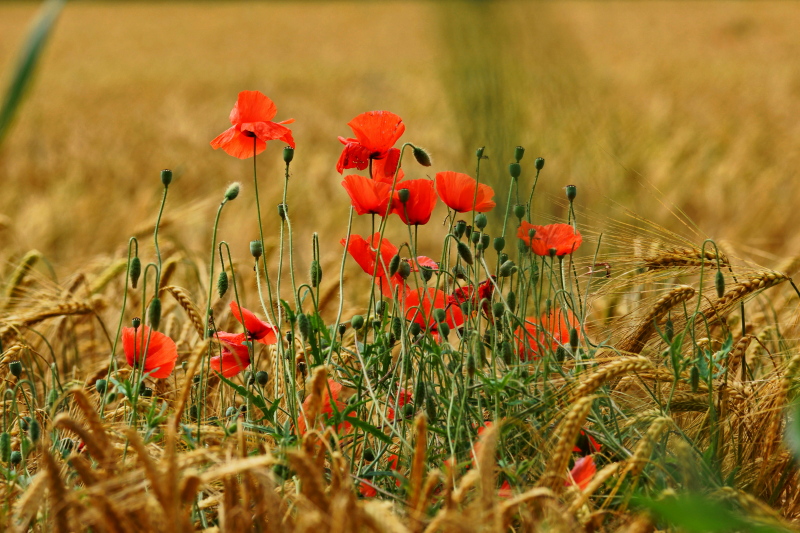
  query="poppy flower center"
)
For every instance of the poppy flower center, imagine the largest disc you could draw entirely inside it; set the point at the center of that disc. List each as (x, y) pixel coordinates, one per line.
(248, 133)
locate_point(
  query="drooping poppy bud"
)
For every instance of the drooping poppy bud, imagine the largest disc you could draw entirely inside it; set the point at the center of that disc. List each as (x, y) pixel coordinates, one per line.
(573, 339)
(720, 284)
(444, 330)
(34, 430)
(233, 191)
(422, 157)
(507, 268)
(100, 386)
(166, 177)
(304, 325)
(315, 273)
(498, 309)
(414, 329)
(511, 300)
(394, 265)
(135, 271)
(222, 283)
(464, 252)
(154, 313)
(404, 270)
(16, 457)
(460, 228)
(5, 447)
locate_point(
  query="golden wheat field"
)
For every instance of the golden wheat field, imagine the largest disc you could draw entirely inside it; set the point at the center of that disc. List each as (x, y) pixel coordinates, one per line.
(610, 345)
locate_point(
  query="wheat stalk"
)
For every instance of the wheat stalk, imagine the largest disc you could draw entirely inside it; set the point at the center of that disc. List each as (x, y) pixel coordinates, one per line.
(610, 371)
(556, 467)
(181, 296)
(635, 342)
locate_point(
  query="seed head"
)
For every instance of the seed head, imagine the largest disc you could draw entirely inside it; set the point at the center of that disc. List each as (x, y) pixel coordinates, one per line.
(166, 177)
(256, 249)
(288, 154)
(515, 169)
(519, 151)
(539, 163)
(572, 192)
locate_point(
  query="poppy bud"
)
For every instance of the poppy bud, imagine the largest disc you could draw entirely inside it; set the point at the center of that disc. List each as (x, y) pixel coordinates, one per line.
(480, 221)
(499, 243)
(552, 252)
(111, 397)
(498, 309)
(460, 228)
(357, 321)
(427, 273)
(430, 409)
(315, 273)
(419, 393)
(136, 322)
(261, 376)
(695, 378)
(511, 300)
(464, 252)
(288, 154)
(282, 210)
(720, 283)
(249, 378)
(439, 315)
(16, 368)
(519, 211)
(304, 325)
(414, 329)
(471, 368)
(485, 240)
(222, 283)
(5, 447)
(397, 326)
(479, 152)
(515, 169)
(422, 157)
(507, 268)
(100, 386)
(404, 269)
(444, 330)
(475, 237)
(233, 191)
(289, 336)
(539, 163)
(502, 258)
(154, 313)
(369, 455)
(572, 192)
(573, 339)
(135, 270)
(34, 430)
(403, 195)
(342, 329)
(256, 249)
(16, 458)
(561, 354)
(459, 271)
(166, 177)
(394, 265)
(519, 151)
(376, 324)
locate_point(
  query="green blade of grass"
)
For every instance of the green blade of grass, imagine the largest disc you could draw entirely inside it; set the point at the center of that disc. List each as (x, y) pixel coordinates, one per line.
(31, 52)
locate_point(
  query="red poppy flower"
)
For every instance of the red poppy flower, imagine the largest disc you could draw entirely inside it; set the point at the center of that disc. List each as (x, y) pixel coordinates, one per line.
(235, 355)
(403, 398)
(476, 448)
(364, 253)
(367, 196)
(252, 119)
(505, 491)
(392, 461)
(383, 170)
(419, 305)
(586, 444)
(257, 329)
(332, 392)
(367, 489)
(468, 294)
(559, 237)
(457, 190)
(421, 201)
(582, 473)
(376, 132)
(159, 360)
(548, 333)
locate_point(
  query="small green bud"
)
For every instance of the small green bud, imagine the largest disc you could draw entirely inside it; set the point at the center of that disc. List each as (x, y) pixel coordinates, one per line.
(5, 446)
(397, 326)
(24, 423)
(166, 177)
(471, 367)
(315, 273)
(498, 309)
(515, 169)
(52, 398)
(507, 352)
(561, 354)
(444, 330)
(481, 221)
(304, 325)
(503, 257)
(479, 152)
(289, 336)
(112, 396)
(519, 211)
(154, 313)
(426, 273)
(420, 392)
(507, 268)
(34, 430)
(135, 270)
(380, 308)
(414, 329)
(262, 377)
(539, 163)
(573, 339)
(16, 368)
(408, 410)
(720, 283)
(430, 409)
(282, 210)
(357, 321)
(232, 191)
(439, 315)
(499, 243)
(256, 249)
(404, 195)
(460, 228)
(422, 157)
(464, 252)
(101, 386)
(695, 378)
(394, 265)
(369, 455)
(459, 271)
(511, 300)
(519, 151)
(475, 237)
(16, 458)
(288, 154)
(572, 192)
(222, 283)
(404, 269)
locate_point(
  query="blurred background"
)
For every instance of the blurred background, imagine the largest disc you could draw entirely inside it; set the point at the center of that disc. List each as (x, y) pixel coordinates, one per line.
(661, 108)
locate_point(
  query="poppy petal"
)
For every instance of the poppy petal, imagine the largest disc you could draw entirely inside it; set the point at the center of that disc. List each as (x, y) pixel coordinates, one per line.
(377, 130)
(354, 155)
(253, 106)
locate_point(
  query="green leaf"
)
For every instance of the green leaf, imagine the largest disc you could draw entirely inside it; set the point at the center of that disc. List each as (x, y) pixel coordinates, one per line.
(258, 401)
(372, 430)
(26, 64)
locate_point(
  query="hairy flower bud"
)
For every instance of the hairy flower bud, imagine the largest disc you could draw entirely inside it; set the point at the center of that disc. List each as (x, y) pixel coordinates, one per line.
(464, 252)
(135, 270)
(720, 284)
(233, 191)
(422, 157)
(154, 313)
(507, 268)
(222, 283)
(394, 265)
(404, 269)
(460, 228)
(315, 273)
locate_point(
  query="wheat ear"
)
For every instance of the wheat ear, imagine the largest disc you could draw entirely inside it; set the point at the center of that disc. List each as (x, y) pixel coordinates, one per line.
(635, 342)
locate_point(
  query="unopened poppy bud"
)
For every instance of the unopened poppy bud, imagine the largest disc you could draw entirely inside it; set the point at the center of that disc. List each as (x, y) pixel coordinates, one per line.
(135, 270)
(427, 273)
(357, 321)
(397, 326)
(459, 271)
(420, 392)
(256, 249)
(519, 211)
(561, 353)
(511, 300)
(249, 378)
(572, 192)
(422, 157)
(480, 221)
(515, 169)
(430, 409)
(154, 313)
(414, 329)
(233, 191)
(438, 315)
(342, 329)
(464, 252)
(16, 458)
(288, 154)
(404, 269)
(471, 367)
(304, 325)
(485, 240)
(475, 237)
(519, 151)
(394, 265)
(499, 243)
(282, 210)
(507, 268)
(24, 423)
(136, 322)
(444, 330)
(111, 397)
(16, 368)
(261, 376)
(539, 163)
(380, 307)
(166, 177)
(573, 339)
(459, 229)
(5, 446)
(479, 152)
(34, 430)
(315, 273)
(369, 455)
(222, 283)
(52, 397)
(498, 309)
(404, 195)
(100, 386)
(720, 283)
(695, 378)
